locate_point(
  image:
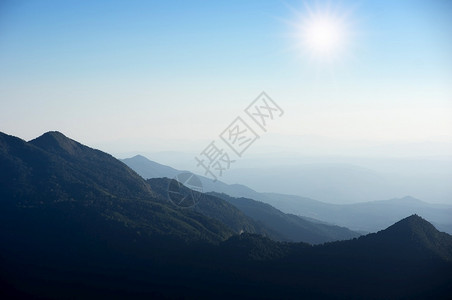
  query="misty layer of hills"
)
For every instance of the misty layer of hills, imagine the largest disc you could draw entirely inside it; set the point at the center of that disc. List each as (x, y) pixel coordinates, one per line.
(362, 217)
(78, 223)
(347, 180)
(338, 177)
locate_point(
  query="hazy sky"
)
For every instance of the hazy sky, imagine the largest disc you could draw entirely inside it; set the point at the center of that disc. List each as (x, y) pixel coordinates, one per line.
(154, 75)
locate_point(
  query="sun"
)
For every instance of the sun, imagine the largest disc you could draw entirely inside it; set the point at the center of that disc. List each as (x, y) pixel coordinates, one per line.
(322, 33)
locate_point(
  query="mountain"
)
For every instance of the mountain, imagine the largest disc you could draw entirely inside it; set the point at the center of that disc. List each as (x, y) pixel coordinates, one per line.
(75, 222)
(247, 215)
(58, 176)
(412, 238)
(55, 171)
(415, 237)
(278, 225)
(217, 208)
(73, 219)
(367, 216)
(408, 260)
(328, 182)
(148, 168)
(347, 179)
(362, 217)
(293, 227)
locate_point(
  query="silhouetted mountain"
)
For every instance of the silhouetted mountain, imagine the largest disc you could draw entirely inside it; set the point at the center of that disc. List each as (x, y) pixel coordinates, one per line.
(410, 259)
(416, 237)
(76, 223)
(56, 173)
(411, 239)
(293, 227)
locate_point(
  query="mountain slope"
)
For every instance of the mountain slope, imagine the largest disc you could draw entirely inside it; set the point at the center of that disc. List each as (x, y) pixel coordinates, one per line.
(412, 238)
(366, 216)
(219, 209)
(149, 169)
(416, 237)
(54, 173)
(279, 226)
(362, 217)
(293, 227)
(409, 260)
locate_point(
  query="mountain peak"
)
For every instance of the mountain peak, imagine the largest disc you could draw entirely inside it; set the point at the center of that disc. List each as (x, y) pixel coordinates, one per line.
(415, 233)
(410, 200)
(414, 220)
(55, 141)
(140, 157)
(54, 133)
(411, 238)
(413, 225)
(414, 217)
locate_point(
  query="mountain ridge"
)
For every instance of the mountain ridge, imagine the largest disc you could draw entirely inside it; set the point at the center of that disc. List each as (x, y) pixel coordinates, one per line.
(293, 227)
(282, 226)
(47, 174)
(362, 217)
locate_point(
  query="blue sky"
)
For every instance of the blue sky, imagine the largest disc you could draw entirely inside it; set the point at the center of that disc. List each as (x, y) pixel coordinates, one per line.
(159, 74)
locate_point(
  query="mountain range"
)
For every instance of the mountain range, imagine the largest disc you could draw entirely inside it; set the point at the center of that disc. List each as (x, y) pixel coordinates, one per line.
(283, 227)
(77, 223)
(362, 217)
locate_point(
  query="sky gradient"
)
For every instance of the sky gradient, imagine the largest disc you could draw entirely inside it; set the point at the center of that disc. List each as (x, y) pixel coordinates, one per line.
(160, 75)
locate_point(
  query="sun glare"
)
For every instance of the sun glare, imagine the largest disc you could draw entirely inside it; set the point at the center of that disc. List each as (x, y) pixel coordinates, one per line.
(322, 34)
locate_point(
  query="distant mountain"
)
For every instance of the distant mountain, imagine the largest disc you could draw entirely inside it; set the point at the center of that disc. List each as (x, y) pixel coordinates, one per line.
(328, 182)
(362, 217)
(270, 221)
(293, 227)
(348, 180)
(367, 216)
(148, 168)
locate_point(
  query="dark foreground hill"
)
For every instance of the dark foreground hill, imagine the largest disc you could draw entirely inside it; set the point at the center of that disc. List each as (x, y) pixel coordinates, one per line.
(408, 260)
(77, 223)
